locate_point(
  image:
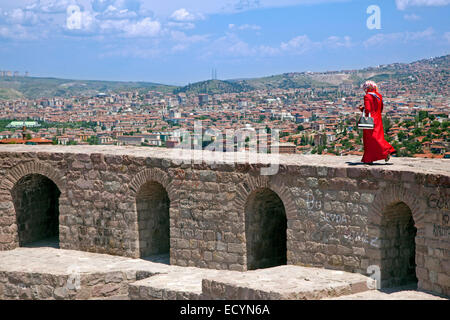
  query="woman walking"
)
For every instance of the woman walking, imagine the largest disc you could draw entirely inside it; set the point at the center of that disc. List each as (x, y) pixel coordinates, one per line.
(375, 146)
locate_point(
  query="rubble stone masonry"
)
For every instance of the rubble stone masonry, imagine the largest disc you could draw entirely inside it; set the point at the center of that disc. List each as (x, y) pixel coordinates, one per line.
(317, 211)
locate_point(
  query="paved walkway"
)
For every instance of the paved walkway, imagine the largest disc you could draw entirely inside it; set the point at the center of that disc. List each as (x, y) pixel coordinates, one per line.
(436, 166)
(157, 280)
(399, 293)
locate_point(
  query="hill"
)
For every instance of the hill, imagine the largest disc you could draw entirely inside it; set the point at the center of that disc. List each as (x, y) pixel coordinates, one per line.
(214, 87)
(7, 93)
(33, 87)
(433, 74)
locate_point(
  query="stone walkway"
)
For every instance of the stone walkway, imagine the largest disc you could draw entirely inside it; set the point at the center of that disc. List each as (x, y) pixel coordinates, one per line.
(435, 166)
(399, 293)
(49, 273)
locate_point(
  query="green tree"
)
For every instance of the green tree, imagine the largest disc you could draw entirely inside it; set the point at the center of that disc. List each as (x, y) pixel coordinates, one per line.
(387, 124)
(417, 132)
(423, 115)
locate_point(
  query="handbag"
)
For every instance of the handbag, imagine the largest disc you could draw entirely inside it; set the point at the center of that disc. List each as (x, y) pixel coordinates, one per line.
(366, 122)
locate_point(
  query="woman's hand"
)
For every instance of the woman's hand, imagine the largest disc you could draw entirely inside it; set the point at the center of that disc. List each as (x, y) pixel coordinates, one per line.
(361, 108)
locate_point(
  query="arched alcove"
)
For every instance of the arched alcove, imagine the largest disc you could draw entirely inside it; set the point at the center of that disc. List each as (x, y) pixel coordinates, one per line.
(265, 230)
(397, 245)
(152, 204)
(36, 202)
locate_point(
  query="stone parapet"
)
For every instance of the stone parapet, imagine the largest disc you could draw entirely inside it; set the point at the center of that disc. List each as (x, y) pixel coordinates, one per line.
(337, 213)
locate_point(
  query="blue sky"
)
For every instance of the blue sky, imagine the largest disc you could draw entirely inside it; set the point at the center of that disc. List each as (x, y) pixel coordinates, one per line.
(177, 42)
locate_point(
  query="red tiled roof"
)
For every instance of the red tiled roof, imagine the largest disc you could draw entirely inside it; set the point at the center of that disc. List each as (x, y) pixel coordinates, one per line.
(39, 140)
(12, 140)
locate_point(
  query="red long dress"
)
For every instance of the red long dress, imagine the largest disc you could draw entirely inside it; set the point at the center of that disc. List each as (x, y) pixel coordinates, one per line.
(375, 146)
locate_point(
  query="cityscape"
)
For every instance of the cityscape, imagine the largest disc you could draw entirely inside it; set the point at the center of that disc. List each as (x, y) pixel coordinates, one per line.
(314, 118)
(229, 155)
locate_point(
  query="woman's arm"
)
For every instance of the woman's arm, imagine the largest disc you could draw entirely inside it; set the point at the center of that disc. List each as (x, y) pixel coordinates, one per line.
(368, 104)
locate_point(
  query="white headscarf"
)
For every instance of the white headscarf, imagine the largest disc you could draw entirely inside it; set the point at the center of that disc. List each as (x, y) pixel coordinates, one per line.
(370, 86)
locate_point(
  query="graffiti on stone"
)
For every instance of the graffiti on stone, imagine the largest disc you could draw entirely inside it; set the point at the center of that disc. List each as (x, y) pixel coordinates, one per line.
(438, 201)
(312, 203)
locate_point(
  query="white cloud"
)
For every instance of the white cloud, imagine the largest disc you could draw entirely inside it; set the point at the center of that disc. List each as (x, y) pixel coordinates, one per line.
(143, 28)
(241, 5)
(232, 45)
(338, 42)
(114, 13)
(182, 37)
(244, 27)
(181, 25)
(403, 4)
(299, 44)
(411, 17)
(101, 5)
(184, 15)
(19, 16)
(51, 6)
(19, 32)
(381, 39)
(133, 52)
(183, 41)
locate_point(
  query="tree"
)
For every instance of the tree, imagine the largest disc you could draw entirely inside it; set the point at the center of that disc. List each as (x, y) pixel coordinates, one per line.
(435, 124)
(300, 128)
(423, 115)
(303, 141)
(93, 140)
(387, 125)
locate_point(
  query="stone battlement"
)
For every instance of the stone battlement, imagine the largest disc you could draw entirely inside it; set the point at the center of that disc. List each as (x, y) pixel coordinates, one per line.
(318, 211)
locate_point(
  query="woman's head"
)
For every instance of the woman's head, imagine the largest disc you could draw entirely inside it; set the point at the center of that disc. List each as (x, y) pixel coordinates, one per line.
(370, 86)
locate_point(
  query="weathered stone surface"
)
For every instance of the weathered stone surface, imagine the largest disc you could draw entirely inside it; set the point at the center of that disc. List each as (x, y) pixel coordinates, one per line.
(325, 201)
(285, 283)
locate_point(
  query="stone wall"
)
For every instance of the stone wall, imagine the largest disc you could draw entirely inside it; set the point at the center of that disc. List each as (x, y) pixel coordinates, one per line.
(50, 286)
(337, 215)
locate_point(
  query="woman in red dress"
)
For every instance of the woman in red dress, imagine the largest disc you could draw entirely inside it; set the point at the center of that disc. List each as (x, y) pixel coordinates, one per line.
(375, 146)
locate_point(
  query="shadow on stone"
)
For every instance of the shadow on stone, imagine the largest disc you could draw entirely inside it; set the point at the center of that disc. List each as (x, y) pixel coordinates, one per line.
(368, 164)
(52, 242)
(158, 258)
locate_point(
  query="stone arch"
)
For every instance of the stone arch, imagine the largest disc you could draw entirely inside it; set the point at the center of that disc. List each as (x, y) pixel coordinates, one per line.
(395, 222)
(153, 174)
(32, 167)
(394, 194)
(274, 183)
(255, 195)
(153, 199)
(7, 206)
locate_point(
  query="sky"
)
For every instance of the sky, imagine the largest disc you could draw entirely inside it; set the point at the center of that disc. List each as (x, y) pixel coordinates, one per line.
(179, 42)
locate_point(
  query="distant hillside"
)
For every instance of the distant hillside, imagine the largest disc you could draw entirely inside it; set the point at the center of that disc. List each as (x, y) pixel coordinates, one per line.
(32, 87)
(6, 94)
(433, 73)
(214, 87)
(284, 81)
